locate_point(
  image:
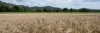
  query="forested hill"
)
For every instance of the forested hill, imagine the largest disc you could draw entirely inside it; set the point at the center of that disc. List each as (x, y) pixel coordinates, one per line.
(7, 7)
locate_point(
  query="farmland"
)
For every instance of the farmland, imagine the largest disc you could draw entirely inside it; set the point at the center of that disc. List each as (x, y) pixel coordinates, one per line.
(49, 23)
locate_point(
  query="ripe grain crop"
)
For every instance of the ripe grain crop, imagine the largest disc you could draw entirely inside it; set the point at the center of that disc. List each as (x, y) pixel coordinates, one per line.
(53, 23)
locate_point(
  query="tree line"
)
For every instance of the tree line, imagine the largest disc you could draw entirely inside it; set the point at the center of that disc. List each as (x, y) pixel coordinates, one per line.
(6, 7)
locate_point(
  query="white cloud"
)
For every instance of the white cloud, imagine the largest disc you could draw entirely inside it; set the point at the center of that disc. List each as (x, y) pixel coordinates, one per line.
(58, 3)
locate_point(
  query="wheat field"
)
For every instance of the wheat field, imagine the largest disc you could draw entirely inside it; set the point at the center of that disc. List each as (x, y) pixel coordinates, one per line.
(49, 23)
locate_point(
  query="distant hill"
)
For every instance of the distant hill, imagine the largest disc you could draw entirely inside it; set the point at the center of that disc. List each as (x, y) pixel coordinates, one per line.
(7, 7)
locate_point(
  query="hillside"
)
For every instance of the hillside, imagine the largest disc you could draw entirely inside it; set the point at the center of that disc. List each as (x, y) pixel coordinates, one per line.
(7, 7)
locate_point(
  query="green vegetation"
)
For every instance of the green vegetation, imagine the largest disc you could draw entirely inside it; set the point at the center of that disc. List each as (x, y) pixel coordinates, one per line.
(49, 12)
(6, 7)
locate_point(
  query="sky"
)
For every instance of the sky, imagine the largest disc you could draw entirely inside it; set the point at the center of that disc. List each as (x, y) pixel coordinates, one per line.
(92, 4)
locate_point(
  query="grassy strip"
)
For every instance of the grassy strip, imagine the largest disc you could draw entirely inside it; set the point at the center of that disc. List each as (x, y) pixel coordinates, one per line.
(49, 12)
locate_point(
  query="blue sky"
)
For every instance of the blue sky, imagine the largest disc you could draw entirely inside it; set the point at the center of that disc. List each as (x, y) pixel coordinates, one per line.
(93, 4)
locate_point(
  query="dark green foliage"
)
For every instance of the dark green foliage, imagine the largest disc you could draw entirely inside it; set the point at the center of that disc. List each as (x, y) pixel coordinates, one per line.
(39, 10)
(84, 10)
(47, 10)
(72, 10)
(58, 10)
(6, 7)
(64, 10)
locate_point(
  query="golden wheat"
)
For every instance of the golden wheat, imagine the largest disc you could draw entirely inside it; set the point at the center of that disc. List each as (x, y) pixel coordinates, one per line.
(60, 23)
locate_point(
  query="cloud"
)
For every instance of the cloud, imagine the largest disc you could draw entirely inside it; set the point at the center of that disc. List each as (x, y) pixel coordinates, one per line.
(94, 4)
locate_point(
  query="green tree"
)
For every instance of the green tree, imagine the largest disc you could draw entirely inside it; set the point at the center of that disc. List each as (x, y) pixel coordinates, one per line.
(72, 10)
(38, 10)
(64, 10)
(83, 10)
(46, 10)
(57, 10)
